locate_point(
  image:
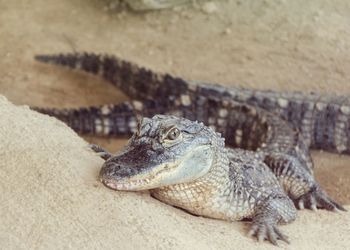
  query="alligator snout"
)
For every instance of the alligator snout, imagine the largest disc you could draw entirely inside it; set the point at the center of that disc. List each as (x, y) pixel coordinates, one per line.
(109, 169)
(116, 171)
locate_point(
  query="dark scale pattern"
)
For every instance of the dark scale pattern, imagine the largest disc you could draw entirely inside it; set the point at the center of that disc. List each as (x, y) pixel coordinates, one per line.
(201, 109)
(306, 122)
(321, 128)
(279, 127)
(107, 120)
(268, 104)
(90, 63)
(347, 129)
(110, 70)
(143, 84)
(331, 115)
(244, 126)
(294, 111)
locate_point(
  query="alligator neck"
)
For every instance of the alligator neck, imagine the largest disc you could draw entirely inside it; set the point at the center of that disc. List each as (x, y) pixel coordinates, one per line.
(198, 196)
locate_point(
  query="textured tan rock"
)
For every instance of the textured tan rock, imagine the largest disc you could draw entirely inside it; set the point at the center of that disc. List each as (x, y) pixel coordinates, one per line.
(51, 199)
(140, 5)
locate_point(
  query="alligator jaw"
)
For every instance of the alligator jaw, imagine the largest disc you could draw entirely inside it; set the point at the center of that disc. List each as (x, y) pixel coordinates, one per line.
(119, 175)
(127, 185)
(140, 181)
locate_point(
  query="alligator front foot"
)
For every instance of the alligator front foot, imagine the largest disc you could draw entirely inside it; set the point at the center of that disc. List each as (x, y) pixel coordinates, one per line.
(277, 209)
(264, 228)
(317, 198)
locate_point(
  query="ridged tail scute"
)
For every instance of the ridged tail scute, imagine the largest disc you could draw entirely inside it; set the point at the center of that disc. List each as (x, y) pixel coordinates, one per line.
(87, 61)
(113, 120)
(324, 121)
(136, 82)
(107, 120)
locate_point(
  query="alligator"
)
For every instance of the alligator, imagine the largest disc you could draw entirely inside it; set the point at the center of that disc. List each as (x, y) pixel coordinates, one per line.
(186, 164)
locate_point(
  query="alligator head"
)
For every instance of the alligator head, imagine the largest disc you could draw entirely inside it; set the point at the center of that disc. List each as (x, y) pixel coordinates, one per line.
(165, 150)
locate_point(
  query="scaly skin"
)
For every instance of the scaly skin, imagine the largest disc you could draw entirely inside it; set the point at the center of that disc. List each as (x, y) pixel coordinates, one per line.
(324, 121)
(247, 119)
(186, 164)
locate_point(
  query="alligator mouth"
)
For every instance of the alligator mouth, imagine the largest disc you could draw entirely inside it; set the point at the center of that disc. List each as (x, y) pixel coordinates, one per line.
(126, 185)
(141, 181)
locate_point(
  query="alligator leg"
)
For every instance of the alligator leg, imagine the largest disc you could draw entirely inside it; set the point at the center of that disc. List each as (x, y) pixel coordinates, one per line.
(300, 183)
(276, 209)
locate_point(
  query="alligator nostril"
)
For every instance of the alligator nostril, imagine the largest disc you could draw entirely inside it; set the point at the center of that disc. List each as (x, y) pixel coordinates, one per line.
(117, 167)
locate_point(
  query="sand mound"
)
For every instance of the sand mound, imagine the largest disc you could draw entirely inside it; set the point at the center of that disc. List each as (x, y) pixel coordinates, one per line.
(51, 199)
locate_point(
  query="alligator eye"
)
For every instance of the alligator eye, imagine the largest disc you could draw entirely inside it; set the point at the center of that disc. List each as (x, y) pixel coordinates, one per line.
(173, 134)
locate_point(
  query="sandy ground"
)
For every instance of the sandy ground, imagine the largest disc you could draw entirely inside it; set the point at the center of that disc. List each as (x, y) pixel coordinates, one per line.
(280, 45)
(51, 199)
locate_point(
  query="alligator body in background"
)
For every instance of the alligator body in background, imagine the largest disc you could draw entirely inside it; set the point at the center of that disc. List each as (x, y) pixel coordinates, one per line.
(273, 130)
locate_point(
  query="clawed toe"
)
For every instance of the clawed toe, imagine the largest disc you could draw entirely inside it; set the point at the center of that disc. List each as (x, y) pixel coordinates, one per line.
(301, 204)
(267, 232)
(317, 198)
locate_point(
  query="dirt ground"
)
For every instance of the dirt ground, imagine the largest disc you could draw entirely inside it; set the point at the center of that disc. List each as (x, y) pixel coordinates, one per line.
(279, 45)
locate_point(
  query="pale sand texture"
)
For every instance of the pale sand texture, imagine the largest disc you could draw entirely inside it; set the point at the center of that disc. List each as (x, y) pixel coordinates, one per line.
(50, 198)
(281, 45)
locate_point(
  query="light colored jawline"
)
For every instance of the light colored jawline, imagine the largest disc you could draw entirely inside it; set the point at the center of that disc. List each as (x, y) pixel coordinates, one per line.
(145, 182)
(126, 185)
(140, 183)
